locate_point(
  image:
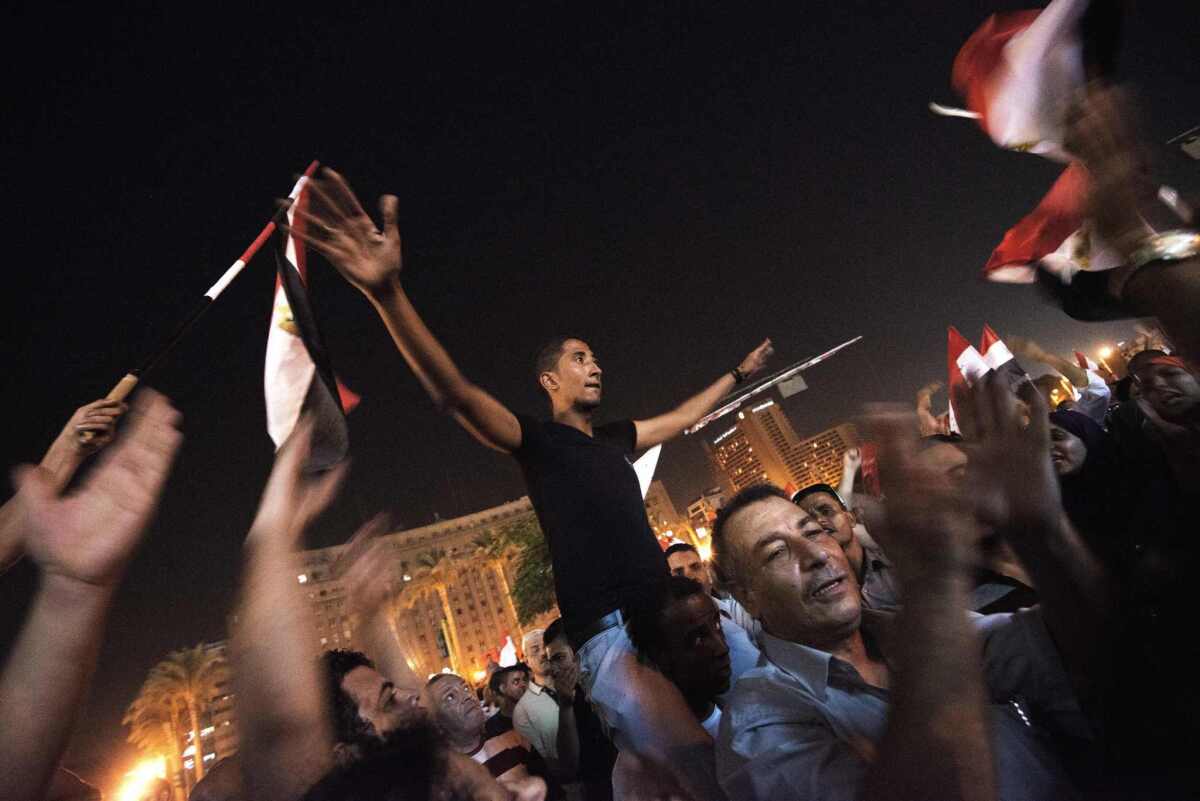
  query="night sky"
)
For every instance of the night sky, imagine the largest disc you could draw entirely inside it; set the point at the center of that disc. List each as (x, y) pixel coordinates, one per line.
(671, 185)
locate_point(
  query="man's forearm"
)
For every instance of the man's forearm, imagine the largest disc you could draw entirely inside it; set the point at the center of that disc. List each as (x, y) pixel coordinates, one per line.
(937, 743)
(45, 681)
(1073, 593)
(384, 647)
(667, 426)
(425, 355)
(287, 743)
(567, 742)
(1170, 290)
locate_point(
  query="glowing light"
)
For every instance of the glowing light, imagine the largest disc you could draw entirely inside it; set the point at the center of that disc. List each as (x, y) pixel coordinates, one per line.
(705, 550)
(141, 779)
(479, 675)
(702, 532)
(407, 577)
(1105, 352)
(762, 406)
(303, 579)
(724, 436)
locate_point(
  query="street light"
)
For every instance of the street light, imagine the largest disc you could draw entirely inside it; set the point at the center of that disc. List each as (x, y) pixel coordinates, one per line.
(1105, 352)
(142, 778)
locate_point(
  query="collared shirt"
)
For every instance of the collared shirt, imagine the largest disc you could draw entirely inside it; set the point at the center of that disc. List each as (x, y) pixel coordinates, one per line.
(743, 653)
(804, 724)
(536, 719)
(880, 590)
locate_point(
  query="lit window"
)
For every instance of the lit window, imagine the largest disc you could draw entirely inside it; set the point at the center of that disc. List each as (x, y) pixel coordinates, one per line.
(303, 579)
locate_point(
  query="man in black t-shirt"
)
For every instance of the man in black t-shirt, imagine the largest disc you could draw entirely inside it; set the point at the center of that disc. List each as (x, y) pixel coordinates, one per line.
(582, 486)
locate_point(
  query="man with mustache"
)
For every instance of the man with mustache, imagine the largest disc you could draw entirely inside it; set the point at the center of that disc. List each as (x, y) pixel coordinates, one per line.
(854, 703)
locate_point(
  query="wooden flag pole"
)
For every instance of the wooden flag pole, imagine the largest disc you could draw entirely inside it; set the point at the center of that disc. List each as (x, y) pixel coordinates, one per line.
(129, 381)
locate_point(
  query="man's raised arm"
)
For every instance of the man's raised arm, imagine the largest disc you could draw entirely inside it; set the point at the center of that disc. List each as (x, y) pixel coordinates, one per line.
(81, 543)
(657, 430)
(370, 259)
(287, 737)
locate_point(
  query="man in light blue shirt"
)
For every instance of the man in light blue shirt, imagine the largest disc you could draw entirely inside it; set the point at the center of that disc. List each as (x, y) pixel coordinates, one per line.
(851, 703)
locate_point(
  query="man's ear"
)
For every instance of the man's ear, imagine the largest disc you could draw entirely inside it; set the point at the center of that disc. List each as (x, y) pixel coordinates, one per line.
(548, 381)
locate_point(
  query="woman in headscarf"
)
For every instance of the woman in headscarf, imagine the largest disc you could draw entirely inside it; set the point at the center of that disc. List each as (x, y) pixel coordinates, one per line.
(1080, 451)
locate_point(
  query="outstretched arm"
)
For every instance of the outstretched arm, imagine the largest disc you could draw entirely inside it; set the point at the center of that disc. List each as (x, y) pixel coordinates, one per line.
(1032, 350)
(287, 738)
(667, 426)
(370, 259)
(81, 544)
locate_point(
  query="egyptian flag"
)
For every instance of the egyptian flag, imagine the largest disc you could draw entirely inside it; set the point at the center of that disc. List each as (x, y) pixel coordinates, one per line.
(964, 366)
(998, 357)
(1018, 74)
(298, 378)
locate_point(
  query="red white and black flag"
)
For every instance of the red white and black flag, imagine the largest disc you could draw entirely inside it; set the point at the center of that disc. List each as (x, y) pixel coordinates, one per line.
(298, 378)
(1019, 73)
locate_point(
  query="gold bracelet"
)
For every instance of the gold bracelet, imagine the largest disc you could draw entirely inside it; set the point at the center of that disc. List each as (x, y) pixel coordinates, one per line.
(1180, 243)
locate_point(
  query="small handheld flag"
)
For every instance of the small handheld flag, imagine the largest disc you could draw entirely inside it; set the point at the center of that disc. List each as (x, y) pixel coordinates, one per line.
(129, 382)
(297, 376)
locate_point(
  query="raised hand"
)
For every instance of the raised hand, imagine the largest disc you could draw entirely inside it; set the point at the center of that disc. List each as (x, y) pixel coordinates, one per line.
(98, 420)
(290, 501)
(88, 535)
(851, 461)
(339, 229)
(1009, 470)
(564, 679)
(930, 522)
(365, 570)
(756, 360)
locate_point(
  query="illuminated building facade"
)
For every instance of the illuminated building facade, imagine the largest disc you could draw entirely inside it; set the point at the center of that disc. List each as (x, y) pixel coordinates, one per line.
(453, 608)
(762, 447)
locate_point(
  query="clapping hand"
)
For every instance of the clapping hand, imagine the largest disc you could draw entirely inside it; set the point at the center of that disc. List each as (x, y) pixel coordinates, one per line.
(929, 521)
(340, 230)
(88, 536)
(1009, 470)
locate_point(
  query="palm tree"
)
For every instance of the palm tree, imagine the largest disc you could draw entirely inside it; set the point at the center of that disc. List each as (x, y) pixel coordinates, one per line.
(533, 582)
(496, 550)
(153, 721)
(437, 570)
(187, 677)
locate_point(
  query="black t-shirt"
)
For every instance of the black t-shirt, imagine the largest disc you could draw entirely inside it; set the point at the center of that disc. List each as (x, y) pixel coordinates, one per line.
(589, 503)
(497, 724)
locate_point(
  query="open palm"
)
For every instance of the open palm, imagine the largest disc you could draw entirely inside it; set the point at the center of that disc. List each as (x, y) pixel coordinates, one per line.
(89, 534)
(337, 227)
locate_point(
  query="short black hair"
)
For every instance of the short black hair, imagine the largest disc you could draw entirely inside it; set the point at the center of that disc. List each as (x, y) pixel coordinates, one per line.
(750, 495)
(348, 726)
(644, 616)
(813, 489)
(548, 355)
(553, 632)
(676, 547)
(498, 677)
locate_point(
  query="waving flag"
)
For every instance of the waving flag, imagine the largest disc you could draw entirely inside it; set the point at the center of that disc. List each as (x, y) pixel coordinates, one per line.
(1018, 74)
(964, 366)
(298, 378)
(998, 357)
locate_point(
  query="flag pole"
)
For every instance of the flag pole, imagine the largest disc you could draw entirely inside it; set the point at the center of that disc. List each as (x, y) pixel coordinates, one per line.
(732, 402)
(129, 381)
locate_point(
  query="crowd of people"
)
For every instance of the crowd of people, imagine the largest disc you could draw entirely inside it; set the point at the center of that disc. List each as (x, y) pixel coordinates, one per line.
(1006, 617)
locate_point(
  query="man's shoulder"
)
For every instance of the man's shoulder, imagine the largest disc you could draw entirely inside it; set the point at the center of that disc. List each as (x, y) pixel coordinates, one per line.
(766, 695)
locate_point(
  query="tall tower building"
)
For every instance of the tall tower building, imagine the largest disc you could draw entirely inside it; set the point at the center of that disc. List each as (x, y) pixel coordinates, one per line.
(659, 509)
(763, 447)
(454, 606)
